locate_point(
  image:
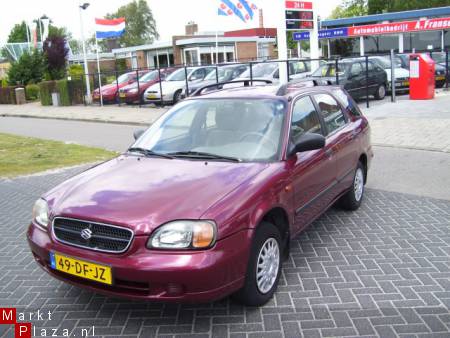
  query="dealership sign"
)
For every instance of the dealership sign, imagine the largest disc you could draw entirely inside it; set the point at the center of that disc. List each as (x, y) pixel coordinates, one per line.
(323, 34)
(400, 27)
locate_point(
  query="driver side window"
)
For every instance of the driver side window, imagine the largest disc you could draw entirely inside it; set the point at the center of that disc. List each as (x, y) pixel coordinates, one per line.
(304, 118)
(356, 69)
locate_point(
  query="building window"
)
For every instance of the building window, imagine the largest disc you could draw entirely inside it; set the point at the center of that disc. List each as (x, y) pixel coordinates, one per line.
(344, 47)
(422, 41)
(380, 44)
(446, 39)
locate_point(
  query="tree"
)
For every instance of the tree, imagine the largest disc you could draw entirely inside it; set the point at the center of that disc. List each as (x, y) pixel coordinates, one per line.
(28, 69)
(18, 33)
(140, 24)
(350, 8)
(55, 52)
(381, 6)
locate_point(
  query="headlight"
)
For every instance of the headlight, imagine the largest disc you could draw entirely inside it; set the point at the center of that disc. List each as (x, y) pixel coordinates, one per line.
(40, 212)
(184, 235)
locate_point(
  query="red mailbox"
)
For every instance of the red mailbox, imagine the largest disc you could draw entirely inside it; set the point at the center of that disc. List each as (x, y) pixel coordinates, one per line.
(421, 77)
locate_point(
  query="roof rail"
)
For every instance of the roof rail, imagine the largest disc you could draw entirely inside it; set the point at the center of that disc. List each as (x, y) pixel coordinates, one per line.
(220, 85)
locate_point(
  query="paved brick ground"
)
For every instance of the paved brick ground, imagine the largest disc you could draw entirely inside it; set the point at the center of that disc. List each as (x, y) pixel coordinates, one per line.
(382, 271)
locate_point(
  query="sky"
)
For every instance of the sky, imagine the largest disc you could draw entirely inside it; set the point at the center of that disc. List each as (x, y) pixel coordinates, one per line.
(170, 15)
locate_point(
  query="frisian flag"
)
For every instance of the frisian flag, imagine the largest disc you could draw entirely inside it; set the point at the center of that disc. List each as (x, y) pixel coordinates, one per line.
(243, 9)
(109, 28)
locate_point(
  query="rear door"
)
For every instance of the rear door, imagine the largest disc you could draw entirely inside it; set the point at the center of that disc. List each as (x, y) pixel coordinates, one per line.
(356, 80)
(340, 135)
(313, 172)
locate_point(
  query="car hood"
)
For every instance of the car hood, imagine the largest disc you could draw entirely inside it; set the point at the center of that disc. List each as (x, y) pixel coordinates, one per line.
(110, 87)
(142, 193)
(400, 73)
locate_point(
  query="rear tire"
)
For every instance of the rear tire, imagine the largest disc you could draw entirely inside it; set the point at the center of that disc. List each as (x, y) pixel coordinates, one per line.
(380, 93)
(176, 97)
(353, 198)
(264, 267)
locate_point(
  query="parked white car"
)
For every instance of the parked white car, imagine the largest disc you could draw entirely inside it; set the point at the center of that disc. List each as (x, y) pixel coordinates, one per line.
(175, 84)
(401, 74)
(270, 71)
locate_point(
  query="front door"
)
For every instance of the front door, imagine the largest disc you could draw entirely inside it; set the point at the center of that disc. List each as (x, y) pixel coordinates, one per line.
(313, 172)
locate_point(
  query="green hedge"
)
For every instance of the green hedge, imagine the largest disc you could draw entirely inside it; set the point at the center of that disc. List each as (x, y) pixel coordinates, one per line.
(46, 89)
(8, 95)
(32, 92)
(70, 92)
(76, 91)
(62, 86)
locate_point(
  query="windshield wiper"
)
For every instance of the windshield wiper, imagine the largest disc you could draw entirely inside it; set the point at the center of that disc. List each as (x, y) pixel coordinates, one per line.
(203, 155)
(148, 152)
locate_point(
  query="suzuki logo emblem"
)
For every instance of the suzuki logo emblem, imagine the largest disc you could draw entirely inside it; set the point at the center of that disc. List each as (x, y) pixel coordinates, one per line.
(86, 233)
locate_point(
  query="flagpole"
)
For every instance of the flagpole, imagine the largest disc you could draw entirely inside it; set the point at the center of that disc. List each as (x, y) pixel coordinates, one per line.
(217, 46)
(99, 76)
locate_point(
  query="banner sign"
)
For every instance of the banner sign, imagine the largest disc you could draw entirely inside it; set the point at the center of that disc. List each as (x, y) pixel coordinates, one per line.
(400, 27)
(323, 34)
(300, 36)
(333, 33)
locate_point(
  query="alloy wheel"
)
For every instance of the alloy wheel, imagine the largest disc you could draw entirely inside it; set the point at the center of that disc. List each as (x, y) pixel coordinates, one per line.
(268, 264)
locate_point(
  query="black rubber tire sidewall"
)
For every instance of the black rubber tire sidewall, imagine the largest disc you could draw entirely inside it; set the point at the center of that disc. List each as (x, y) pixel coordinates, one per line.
(377, 95)
(249, 294)
(349, 201)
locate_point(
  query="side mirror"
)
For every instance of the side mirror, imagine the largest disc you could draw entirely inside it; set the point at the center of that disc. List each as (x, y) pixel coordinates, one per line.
(138, 133)
(306, 142)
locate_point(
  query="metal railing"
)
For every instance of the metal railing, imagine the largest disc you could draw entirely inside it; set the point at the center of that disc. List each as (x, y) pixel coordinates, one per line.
(297, 70)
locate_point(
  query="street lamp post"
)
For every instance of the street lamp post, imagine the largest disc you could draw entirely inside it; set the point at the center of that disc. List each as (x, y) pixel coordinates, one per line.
(86, 69)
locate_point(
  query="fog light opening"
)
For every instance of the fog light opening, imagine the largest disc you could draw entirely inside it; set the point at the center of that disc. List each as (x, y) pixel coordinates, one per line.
(174, 289)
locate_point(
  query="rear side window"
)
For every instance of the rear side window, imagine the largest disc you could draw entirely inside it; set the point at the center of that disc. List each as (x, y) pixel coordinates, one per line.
(304, 118)
(347, 102)
(331, 112)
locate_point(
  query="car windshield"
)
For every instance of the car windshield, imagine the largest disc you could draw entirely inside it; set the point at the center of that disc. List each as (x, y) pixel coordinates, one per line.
(123, 78)
(224, 74)
(438, 57)
(178, 75)
(151, 76)
(329, 69)
(243, 129)
(261, 70)
(385, 63)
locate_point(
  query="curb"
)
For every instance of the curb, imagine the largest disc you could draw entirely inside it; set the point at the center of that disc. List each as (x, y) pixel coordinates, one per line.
(76, 119)
(436, 150)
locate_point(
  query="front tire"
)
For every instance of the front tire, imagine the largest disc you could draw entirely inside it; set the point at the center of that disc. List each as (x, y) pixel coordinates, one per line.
(352, 199)
(264, 267)
(380, 93)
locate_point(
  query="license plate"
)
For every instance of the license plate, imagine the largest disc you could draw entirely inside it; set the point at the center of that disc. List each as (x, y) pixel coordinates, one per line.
(122, 95)
(80, 268)
(440, 78)
(151, 96)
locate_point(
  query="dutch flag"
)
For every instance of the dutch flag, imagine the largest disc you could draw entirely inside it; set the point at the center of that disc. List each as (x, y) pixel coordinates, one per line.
(109, 28)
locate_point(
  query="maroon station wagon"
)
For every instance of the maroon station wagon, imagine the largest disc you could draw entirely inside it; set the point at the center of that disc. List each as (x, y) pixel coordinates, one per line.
(205, 202)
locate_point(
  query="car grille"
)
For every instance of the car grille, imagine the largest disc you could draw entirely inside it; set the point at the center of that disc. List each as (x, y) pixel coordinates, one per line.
(91, 235)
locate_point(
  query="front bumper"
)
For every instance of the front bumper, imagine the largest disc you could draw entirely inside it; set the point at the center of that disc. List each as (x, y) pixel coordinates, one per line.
(139, 273)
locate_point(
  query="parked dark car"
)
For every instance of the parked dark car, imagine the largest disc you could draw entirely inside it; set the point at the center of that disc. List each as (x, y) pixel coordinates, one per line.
(205, 202)
(352, 77)
(110, 92)
(223, 74)
(134, 93)
(439, 72)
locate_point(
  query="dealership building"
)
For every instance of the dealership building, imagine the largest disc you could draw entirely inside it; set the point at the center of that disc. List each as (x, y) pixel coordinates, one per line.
(404, 32)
